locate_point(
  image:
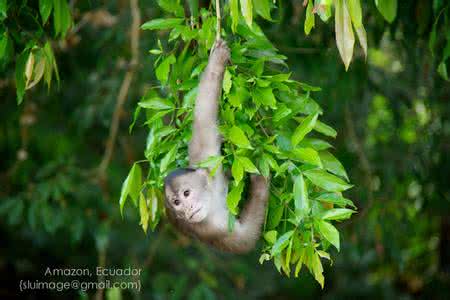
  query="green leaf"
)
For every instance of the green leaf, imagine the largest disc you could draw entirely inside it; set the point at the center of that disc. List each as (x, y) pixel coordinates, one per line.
(442, 70)
(143, 211)
(50, 64)
(301, 258)
(387, 8)
(262, 8)
(162, 71)
(316, 144)
(210, 161)
(247, 164)
(265, 97)
(335, 199)
(193, 8)
(131, 186)
(327, 181)
(303, 129)
(332, 164)
(309, 20)
(233, 198)
(238, 137)
(307, 155)
(362, 38)
(345, 39)
(4, 43)
(324, 9)
(20, 75)
(237, 170)
(330, 233)
(337, 214)
(301, 200)
(156, 103)
(172, 6)
(168, 159)
(45, 8)
(226, 85)
(162, 24)
(247, 11)
(61, 17)
(234, 12)
(317, 269)
(354, 8)
(325, 129)
(3, 9)
(271, 236)
(281, 243)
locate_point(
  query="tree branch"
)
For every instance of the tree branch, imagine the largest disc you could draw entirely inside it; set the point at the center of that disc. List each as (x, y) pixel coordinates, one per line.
(219, 19)
(123, 92)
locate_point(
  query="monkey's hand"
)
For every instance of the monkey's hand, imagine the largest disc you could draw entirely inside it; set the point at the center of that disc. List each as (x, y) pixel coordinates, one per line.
(220, 54)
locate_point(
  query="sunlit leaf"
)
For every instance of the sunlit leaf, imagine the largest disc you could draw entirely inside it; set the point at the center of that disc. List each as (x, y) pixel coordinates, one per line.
(303, 129)
(233, 198)
(247, 11)
(143, 212)
(45, 8)
(161, 24)
(226, 84)
(387, 8)
(281, 243)
(309, 20)
(131, 186)
(354, 8)
(327, 181)
(325, 129)
(301, 200)
(307, 155)
(234, 12)
(247, 164)
(168, 159)
(262, 7)
(162, 71)
(337, 214)
(238, 137)
(332, 164)
(237, 170)
(345, 39)
(156, 103)
(330, 233)
(271, 236)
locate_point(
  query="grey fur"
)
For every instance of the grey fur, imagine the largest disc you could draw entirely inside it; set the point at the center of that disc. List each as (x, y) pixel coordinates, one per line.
(203, 212)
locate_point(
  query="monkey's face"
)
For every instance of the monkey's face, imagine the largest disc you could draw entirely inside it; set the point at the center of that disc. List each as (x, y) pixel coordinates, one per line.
(187, 194)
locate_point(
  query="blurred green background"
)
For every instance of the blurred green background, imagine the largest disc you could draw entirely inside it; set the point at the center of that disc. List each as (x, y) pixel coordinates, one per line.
(391, 112)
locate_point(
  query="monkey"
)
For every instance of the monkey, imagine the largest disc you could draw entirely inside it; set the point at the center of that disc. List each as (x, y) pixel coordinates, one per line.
(195, 202)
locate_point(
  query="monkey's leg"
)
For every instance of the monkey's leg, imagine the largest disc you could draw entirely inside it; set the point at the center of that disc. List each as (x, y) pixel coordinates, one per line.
(248, 228)
(205, 140)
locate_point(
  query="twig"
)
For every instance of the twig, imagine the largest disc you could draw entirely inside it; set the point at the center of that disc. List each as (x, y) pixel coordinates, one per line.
(219, 19)
(123, 92)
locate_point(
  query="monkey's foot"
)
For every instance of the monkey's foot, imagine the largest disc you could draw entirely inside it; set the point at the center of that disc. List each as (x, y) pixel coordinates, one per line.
(221, 52)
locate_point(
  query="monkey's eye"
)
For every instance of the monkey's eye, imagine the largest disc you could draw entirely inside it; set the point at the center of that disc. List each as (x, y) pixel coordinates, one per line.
(176, 202)
(186, 193)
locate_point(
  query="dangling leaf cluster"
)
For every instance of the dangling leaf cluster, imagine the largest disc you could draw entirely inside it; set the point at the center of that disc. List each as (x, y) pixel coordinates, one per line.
(270, 125)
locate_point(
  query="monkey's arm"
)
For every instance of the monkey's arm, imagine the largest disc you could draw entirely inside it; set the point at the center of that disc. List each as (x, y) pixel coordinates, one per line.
(247, 229)
(205, 140)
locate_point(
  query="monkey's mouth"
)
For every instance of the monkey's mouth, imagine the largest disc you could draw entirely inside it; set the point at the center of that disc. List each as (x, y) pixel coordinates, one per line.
(194, 213)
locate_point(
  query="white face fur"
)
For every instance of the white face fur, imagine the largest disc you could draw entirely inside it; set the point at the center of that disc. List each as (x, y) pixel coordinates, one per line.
(187, 196)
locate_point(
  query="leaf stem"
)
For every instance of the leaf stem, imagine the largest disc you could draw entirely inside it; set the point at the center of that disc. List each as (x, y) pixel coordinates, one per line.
(219, 19)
